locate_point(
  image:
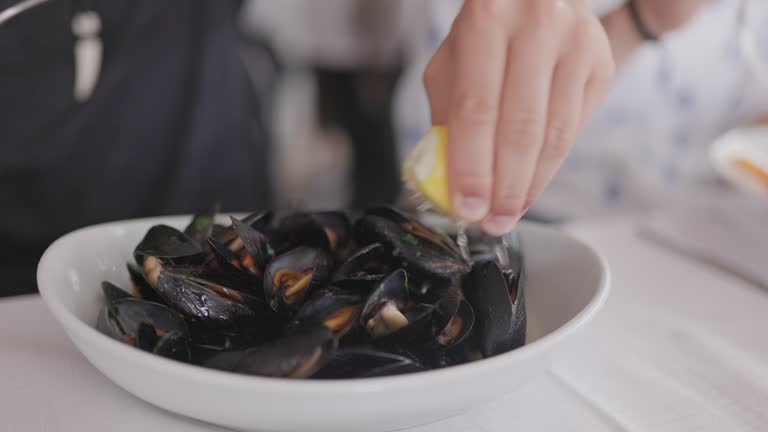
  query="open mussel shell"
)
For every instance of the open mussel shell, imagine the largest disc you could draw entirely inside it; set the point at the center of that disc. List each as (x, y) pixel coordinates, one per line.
(390, 316)
(383, 312)
(141, 288)
(297, 355)
(255, 243)
(366, 363)
(248, 251)
(163, 245)
(146, 325)
(290, 277)
(260, 221)
(336, 310)
(454, 317)
(500, 319)
(113, 292)
(327, 230)
(420, 249)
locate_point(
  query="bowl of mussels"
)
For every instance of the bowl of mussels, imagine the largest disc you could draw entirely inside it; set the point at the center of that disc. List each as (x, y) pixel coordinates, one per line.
(330, 320)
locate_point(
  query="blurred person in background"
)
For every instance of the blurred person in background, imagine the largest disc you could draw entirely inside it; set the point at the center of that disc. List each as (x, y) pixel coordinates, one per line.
(125, 108)
(167, 122)
(648, 143)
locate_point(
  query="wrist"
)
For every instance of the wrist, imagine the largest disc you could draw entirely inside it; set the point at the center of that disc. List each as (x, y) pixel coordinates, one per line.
(624, 38)
(640, 21)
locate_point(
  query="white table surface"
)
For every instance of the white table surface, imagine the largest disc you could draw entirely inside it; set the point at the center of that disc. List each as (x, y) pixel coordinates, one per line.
(679, 347)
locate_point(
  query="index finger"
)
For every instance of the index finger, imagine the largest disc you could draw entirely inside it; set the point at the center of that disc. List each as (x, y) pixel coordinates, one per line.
(480, 45)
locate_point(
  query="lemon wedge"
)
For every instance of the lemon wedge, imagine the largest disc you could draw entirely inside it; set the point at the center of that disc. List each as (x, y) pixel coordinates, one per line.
(425, 169)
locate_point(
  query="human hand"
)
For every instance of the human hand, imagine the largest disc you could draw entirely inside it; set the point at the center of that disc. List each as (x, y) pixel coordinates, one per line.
(514, 82)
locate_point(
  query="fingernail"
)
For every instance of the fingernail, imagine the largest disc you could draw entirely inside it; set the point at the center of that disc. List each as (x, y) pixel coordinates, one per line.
(499, 225)
(471, 208)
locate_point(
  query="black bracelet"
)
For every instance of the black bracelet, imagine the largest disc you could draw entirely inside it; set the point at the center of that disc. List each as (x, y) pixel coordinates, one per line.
(645, 33)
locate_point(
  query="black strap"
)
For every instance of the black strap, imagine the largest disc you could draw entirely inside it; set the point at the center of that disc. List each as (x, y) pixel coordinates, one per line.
(634, 14)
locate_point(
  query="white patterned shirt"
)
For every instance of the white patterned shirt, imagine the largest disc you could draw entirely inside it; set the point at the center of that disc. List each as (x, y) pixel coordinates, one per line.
(650, 140)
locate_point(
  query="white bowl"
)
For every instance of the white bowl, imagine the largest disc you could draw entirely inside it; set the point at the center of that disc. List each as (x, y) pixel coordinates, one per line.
(567, 284)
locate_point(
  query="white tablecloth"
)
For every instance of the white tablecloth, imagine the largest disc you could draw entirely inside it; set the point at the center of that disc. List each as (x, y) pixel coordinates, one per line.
(679, 347)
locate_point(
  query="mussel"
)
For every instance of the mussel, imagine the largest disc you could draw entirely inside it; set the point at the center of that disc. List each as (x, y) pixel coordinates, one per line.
(500, 319)
(454, 317)
(113, 292)
(149, 326)
(336, 310)
(390, 313)
(163, 245)
(327, 230)
(421, 250)
(290, 277)
(297, 355)
(201, 301)
(141, 288)
(366, 363)
(248, 251)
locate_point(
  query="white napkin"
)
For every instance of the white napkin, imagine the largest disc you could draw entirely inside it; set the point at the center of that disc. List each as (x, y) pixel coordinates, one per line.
(726, 230)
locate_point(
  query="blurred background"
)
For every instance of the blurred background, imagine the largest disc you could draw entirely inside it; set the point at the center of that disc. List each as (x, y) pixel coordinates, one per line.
(334, 100)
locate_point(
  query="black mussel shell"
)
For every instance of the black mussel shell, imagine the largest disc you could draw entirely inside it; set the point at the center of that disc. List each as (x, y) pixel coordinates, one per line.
(231, 279)
(248, 251)
(163, 245)
(360, 283)
(366, 363)
(411, 224)
(499, 323)
(112, 292)
(505, 251)
(256, 245)
(297, 355)
(294, 275)
(162, 241)
(146, 336)
(328, 230)
(392, 294)
(260, 221)
(144, 325)
(174, 345)
(391, 317)
(415, 249)
(214, 305)
(337, 311)
(373, 259)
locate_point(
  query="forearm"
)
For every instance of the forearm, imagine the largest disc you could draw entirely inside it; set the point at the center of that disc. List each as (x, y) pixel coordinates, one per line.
(761, 120)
